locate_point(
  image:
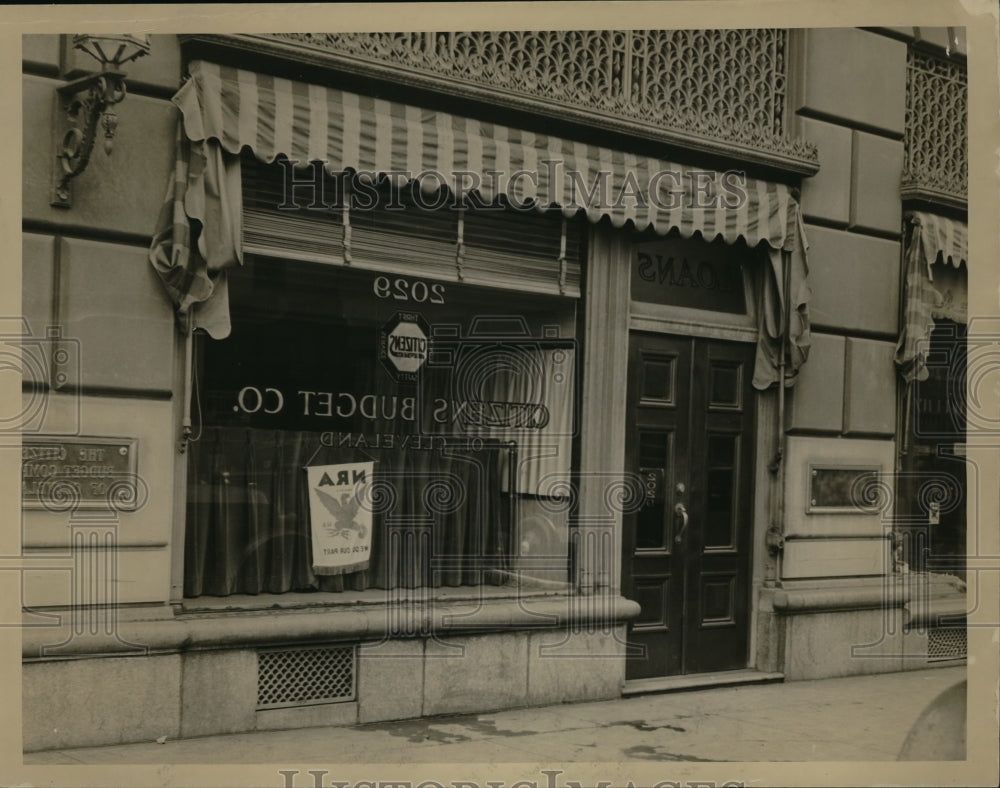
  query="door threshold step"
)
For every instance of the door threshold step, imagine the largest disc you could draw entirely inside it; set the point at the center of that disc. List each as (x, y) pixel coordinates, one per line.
(699, 681)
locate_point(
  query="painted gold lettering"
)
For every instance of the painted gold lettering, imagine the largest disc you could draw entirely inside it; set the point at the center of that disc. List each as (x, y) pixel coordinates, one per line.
(665, 270)
(460, 410)
(305, 401)
(241, 399)
(706, 276)
(685, 278)
(645, 268)
(348, 411)
(280, 400)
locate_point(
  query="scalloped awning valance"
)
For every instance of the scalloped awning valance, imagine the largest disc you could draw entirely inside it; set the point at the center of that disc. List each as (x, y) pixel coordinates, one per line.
(226, 110)
(306, 122)
(938, 235)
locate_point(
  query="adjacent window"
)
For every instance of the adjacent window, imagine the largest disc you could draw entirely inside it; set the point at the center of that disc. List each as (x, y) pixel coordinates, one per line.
(931, 505)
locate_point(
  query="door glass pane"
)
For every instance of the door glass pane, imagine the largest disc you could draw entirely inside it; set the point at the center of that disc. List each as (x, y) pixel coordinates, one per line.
(653, 447)
(657, 379)
(725, 384)
(722, 490)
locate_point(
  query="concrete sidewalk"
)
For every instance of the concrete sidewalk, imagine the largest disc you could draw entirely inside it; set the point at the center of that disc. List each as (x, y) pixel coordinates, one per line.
(863, 718)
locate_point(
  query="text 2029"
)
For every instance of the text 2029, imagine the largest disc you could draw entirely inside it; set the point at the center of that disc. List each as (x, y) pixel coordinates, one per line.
(415, 290)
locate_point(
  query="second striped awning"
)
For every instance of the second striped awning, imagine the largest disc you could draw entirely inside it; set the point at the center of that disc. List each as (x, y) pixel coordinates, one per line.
(932, 238)
(939, 235)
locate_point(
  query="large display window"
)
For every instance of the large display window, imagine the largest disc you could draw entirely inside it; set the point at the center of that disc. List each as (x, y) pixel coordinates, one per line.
(367, 430)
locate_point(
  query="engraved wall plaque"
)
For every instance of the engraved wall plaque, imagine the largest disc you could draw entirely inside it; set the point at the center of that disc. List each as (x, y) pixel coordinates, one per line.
(85, 472)
(841, 489)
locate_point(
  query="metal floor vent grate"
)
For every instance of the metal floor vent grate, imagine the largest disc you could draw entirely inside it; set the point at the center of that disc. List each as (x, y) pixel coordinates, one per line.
(946, 643)
(305, 676)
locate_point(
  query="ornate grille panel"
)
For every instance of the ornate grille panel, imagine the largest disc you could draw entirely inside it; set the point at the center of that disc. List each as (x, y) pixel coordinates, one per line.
(305, 676)
(721, 90)
(937, 132)
(946, 643)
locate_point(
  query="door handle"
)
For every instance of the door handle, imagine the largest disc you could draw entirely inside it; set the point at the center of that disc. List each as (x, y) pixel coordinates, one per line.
(681, 512)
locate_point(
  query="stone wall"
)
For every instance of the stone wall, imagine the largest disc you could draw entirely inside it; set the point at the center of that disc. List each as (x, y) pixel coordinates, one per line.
(842, 410)
(196, 693)
(85, 273)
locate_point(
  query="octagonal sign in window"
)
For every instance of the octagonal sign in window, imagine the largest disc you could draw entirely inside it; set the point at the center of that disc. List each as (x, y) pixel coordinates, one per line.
(403, 346)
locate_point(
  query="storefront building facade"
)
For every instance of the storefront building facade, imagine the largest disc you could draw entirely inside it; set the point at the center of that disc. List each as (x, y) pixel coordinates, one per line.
(446, 376)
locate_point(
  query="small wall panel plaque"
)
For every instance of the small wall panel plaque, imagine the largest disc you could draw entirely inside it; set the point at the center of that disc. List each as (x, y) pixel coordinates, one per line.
(841, 489)
(78, 472)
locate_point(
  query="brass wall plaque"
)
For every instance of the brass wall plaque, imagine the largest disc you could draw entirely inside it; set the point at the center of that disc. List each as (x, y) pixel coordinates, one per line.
(62, 472)
(840, 489)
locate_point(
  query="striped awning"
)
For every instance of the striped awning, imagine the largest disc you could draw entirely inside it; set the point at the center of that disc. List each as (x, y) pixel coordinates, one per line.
(227, 110)
(306, 122)
(932, 239)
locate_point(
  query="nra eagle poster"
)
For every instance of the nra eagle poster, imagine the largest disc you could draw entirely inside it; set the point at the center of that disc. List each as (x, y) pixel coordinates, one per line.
(341, 527)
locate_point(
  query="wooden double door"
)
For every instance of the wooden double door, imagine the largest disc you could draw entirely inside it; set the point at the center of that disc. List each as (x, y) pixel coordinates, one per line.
(686, 552)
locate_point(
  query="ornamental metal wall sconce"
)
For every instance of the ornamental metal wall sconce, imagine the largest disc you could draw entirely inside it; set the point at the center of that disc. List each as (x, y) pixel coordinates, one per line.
(89, 101)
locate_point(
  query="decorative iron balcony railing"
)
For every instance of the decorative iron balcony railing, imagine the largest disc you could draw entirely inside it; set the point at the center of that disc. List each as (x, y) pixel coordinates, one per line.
(723, 92)
(936, 165)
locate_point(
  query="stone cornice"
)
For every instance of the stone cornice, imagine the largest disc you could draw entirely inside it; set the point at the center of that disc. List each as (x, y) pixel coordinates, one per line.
(244, 629)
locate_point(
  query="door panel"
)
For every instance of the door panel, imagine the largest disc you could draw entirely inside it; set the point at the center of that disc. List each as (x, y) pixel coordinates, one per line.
(690, 438)
(658, 434)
